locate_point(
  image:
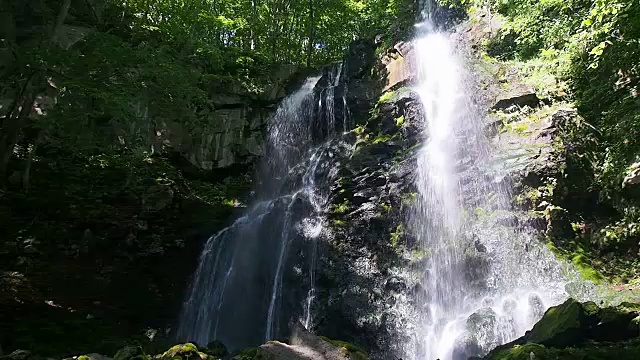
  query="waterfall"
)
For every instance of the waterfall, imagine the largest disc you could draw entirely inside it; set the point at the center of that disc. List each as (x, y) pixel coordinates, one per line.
(258, 274)
(485, 283)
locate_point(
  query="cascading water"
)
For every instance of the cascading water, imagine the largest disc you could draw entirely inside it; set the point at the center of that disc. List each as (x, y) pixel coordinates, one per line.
(247, 286)
(484, 283)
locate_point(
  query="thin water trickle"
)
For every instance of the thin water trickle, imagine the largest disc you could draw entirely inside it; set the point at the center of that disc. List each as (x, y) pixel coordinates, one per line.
(484, 283)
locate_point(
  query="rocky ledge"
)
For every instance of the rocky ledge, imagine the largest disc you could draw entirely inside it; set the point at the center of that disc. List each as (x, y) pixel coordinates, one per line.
(574, 330)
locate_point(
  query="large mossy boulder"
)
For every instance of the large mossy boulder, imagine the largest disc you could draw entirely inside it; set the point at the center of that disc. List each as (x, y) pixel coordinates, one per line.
(627, 350)
(575, 330)
(187, 351)
(565, 324)
(572, 323)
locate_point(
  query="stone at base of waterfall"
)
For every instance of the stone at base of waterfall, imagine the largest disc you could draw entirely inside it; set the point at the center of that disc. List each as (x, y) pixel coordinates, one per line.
(574, 330)
(17, 355)
(275, 350)
(307, 346)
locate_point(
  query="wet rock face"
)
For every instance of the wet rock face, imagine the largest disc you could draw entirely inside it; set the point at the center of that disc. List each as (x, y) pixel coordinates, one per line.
(371, 173)
(231, 130)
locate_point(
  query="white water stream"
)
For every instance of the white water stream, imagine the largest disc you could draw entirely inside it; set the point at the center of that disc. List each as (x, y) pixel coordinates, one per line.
(485, 283)
(254, 276)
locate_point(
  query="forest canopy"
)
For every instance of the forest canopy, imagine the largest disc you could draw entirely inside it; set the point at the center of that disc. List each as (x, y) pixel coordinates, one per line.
(123, 64)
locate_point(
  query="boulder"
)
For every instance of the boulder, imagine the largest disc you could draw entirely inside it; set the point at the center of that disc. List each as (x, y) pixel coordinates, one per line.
(574, 330)
(303, 346)
(131, 353)
(17, 355)
(158, 197)
(565, 324)
(187, 351)
(216, 349)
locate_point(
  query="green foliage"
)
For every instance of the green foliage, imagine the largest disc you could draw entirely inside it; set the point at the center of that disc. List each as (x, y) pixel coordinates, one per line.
(339, 223)
(382, 138)
(587, 272)
(585, 53)
(341, 208)
(386, 97)
(396, 235)
(409, 198)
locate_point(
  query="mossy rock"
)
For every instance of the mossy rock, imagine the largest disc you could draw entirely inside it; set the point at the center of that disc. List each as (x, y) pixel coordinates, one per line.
(615, 324)
(131, 353)
(581, 331)
(353, 351)
(520, 352)
(627, 350)
(246, 354)
(572, 323)
(216, 349)
(187, 351)
(564, 325)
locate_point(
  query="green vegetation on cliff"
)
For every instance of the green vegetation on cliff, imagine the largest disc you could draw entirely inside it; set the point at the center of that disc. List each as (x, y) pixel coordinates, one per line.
(583, 54)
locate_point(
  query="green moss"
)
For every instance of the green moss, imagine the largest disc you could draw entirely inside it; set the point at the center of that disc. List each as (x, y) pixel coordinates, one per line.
(83, 357)
(187, 351)
(396, 235)
(385, 97)
(559, 326)
(381, 138)
(341, 208)
(400, 121)
(386, 207)
(359, 130)
(586, 271)
(627, 350)
(520, 128)
(353, 351)
(519, 352)
(409, 198)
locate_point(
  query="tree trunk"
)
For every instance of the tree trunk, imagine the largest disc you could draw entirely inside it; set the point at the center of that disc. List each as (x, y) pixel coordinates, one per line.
(254, 23)
(311, 28)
